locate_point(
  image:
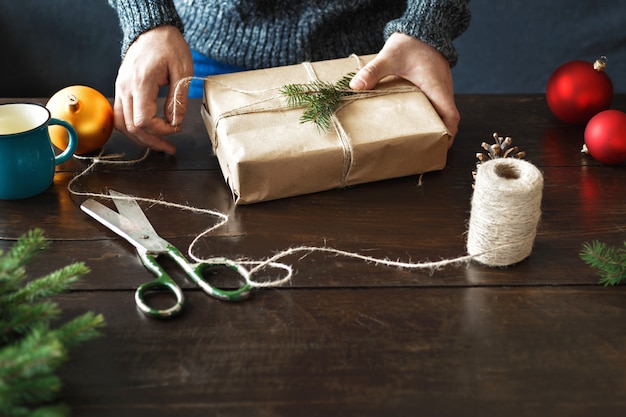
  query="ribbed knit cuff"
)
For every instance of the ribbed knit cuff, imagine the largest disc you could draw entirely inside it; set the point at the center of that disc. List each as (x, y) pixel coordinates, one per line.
(435, 22)
(139, 16)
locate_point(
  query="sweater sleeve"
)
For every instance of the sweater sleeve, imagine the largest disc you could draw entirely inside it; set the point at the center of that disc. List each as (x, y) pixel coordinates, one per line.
(436, 22)
(138, 16)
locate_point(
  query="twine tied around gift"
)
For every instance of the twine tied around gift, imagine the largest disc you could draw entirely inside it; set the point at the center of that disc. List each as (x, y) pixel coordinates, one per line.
(505, 212)
(344, 138)
(273, 101)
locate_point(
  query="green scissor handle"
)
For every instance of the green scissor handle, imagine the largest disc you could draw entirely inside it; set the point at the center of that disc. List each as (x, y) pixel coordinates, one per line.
(195, 272)
(159, 285)
(164, 282)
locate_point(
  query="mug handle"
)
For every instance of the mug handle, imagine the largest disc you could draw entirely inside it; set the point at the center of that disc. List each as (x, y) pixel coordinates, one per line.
(72, 143)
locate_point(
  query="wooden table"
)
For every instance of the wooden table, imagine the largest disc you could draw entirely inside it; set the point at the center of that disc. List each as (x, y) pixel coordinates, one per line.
(345, 337)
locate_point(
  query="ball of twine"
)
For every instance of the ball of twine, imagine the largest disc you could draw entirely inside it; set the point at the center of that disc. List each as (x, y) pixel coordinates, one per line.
(505, 211)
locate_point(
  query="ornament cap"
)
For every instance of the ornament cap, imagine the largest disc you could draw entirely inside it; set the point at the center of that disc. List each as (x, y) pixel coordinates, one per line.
(600, 63)
(73, 103)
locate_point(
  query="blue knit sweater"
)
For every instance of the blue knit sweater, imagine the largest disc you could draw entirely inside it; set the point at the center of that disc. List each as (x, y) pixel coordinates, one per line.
(262, 33)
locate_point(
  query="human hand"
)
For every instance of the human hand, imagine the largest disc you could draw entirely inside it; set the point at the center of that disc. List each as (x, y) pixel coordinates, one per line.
(419, 63)
(156, 58)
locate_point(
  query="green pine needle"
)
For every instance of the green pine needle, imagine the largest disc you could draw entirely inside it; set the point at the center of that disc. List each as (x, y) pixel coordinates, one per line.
(17, 320)
(80, 329)
(610, 261)
(52, 284)
(24, 250)
(320, 99)
(31, 352)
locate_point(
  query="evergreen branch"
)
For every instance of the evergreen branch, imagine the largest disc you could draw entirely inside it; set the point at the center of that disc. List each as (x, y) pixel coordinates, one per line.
(20, 319)
(48, 286)
(26, 247)
(30, 351)
(320, 99)
(18, 308)
(80, 329)
(29, 377)
(12, 272)
(610, 261)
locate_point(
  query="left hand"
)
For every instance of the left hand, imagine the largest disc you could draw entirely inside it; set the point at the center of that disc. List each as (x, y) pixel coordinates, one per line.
(158, 57)
(419, 63)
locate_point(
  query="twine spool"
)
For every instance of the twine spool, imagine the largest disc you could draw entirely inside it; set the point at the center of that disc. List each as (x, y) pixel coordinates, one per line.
(505, 211)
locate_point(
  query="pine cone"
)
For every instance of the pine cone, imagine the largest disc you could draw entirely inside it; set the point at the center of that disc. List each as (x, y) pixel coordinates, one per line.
(502, 148)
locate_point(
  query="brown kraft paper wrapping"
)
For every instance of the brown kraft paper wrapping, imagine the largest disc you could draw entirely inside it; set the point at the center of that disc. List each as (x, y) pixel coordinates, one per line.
(265, 153)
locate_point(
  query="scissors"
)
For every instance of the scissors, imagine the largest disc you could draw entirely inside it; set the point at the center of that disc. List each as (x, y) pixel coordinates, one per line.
(132, 224)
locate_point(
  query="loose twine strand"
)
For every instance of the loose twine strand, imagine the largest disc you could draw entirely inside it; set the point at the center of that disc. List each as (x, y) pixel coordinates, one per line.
(502, 227)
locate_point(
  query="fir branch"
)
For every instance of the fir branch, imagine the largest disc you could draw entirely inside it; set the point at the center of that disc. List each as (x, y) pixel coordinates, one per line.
(80, 329)
(28, 246)
(18, 310)
(48, 286)
(21, 253)
(320, 99)
(27, 366)
(30, 378)
(610, 261)
(19, 319)
(30, 350)
(12, 272)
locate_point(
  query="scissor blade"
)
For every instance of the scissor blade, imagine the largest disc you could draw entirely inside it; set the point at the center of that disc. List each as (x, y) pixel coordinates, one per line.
(143, 240)
(129, 208)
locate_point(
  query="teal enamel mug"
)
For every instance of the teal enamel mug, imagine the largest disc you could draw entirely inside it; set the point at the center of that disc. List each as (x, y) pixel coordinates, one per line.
(27, 157)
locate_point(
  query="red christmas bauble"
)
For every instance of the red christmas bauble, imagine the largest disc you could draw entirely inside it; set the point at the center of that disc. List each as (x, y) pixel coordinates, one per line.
(605, 137)
(578, 90)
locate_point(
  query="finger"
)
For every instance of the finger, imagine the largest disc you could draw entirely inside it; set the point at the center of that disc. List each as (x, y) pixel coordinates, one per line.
(119, 118)
(147, 127)
(176, 102)
(448, 112)
(124, 121)
(368, 76)
(154, 142)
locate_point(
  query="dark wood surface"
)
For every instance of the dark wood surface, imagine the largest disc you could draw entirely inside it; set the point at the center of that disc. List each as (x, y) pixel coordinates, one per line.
(345, 337)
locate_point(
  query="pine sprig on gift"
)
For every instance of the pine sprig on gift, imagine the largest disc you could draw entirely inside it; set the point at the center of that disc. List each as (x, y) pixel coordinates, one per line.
(320, 99)
(31, 351)
(610, 261)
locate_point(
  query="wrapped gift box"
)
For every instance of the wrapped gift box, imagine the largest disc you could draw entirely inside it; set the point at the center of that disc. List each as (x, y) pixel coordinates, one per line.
(266, 153)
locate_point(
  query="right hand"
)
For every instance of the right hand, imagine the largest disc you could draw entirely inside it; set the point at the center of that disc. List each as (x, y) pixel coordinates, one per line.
(421, 64)
(156, 58)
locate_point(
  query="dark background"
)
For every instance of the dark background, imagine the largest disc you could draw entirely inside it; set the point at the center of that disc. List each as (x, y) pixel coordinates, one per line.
(511, 47)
